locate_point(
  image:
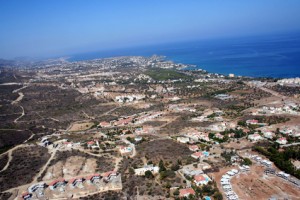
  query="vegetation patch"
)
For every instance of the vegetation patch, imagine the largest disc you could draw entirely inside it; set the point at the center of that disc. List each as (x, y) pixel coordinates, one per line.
(165, 74)
(25, 164)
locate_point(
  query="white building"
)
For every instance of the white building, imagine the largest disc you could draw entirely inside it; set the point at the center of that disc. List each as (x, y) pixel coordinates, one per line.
(201, 179)
(183, 139)
(281, 140)
(255, 137)
(151, 168)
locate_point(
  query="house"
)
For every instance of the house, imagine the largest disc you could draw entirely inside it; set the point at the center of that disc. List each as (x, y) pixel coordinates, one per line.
(219, 136)
(104, 124)
(286, 131)
(183, 139)
(283, 175)
(270, 171)
(37, 186)
(255, 137)
(125, 150)
(57, 184)
(26, 196)
(252, 121)
(76, 182)
(45, 142)
(295, 134)
(192, 172)
(244, 168)
(151, 168)
(268, 134)
(138, 138)
(197, 155)
(193, 147)
(201, 179)
(90, 143)
(281, 140)
(107, 176)
(266, 163)
(186, 192)
(92, 179)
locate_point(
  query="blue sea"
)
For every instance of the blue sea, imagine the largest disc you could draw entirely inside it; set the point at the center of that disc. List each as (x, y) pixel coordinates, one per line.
(261, 56)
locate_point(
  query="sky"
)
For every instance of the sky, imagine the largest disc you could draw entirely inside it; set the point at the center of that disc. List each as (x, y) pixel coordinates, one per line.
(45, 28)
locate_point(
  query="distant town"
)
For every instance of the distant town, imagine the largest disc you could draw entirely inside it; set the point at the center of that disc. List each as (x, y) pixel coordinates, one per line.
(140, 128)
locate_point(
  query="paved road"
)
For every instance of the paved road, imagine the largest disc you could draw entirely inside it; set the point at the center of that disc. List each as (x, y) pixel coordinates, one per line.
(288, 145)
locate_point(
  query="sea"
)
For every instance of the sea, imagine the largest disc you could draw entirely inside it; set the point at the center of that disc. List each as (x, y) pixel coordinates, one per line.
(276, 56)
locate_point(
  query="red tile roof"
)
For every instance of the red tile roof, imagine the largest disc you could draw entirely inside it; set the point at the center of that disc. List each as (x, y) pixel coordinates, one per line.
(56, 181)
(91, 176)
(186, 192)
(199, 178)
(197, 154)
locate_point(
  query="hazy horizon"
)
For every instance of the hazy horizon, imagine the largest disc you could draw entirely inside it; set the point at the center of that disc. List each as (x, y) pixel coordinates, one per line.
(57, 28)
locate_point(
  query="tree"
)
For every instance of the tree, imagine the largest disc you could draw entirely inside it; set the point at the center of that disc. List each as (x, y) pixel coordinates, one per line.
(247, 161)
(148, 174)
(161, 166)
(218, 196)
(176, 192)
(175, 167)
(131, 170)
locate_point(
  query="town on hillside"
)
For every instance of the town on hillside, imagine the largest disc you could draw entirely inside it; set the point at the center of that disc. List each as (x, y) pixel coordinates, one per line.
(142, 128)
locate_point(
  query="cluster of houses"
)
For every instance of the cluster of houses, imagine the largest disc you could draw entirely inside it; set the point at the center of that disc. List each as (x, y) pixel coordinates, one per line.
(226, 185)
(285, 109)
(199, 180)
(269, 170)
(267, 134)
(290, 131)
(61, 184)
(129, 98)
(260, 160)
(196, 135)
(289, 81)
(283, 175)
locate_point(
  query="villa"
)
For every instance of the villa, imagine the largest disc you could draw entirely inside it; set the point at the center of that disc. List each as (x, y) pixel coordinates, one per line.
(252, 121)
(186, 192)
(104, 124)
(37, 186)
(26, 196)
(125, 150)
(183, 139)
(268, 134)
(201, 179)
(76, 182)
(151, 168)
(197, 155)
(255, 137)
(95, 178)
(57, 184)
(281, 140)
(107, 176)
(193, 147)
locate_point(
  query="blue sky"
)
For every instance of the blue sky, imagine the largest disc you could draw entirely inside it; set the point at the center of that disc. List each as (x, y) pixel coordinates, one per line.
(60, 27)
